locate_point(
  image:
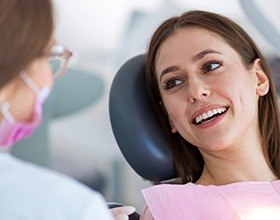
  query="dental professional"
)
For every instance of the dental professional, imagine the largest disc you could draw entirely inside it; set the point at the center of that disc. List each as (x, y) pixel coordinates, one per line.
(26, 46)
(212, 90)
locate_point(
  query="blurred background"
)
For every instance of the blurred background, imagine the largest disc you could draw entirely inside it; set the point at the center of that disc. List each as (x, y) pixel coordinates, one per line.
(75, 137)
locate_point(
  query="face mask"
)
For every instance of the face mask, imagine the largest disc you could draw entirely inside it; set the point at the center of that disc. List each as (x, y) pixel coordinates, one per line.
(12, 130)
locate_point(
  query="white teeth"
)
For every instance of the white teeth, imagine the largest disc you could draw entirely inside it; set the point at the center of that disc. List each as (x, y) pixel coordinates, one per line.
(209, 114)
(204, 116)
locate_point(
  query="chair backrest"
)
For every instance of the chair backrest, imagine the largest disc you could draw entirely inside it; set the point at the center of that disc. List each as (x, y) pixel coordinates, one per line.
(135, 125)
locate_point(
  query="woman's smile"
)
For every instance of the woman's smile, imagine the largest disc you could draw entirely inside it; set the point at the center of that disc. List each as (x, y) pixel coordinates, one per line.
(203, 116)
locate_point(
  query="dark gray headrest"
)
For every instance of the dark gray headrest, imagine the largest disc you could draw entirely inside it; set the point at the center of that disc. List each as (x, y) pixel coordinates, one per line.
(135, 125)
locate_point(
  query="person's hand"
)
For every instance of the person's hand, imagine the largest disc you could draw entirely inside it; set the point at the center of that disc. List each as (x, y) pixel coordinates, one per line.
(122, 213)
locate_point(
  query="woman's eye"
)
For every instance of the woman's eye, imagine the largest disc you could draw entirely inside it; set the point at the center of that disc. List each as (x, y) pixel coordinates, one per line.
(210, 66)
(172, 83)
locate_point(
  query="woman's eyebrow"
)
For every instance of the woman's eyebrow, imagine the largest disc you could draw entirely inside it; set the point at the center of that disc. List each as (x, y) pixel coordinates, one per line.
(201, 54)
(168, 70)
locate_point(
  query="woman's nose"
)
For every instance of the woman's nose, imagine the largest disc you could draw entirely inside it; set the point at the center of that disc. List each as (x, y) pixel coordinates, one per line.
(197, 90)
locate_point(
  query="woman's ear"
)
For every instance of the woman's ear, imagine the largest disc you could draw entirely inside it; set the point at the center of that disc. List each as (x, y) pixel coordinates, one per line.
(261, 78)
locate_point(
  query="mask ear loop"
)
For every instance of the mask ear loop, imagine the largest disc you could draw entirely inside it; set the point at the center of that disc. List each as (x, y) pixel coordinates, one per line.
(4, 107)
(29, 82)
(42, 93)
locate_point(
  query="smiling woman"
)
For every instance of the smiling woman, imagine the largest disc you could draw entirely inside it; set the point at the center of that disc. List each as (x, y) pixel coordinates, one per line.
(214, 96)
(199, 88)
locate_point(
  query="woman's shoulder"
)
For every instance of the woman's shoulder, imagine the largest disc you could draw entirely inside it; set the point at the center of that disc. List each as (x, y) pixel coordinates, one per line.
(38, 178)
(27, 186)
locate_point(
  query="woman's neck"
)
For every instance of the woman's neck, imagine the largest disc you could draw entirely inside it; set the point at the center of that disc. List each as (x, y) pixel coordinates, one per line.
(235, 166)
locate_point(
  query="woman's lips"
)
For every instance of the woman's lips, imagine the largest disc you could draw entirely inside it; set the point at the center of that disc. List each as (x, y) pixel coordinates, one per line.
(209, 115)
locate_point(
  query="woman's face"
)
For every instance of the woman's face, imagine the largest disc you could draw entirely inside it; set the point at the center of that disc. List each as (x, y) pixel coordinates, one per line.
(211, 98)
(22, 98)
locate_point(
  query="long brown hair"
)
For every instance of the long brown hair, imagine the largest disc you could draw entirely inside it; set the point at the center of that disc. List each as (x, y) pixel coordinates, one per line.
(26, 27)
(187, 158)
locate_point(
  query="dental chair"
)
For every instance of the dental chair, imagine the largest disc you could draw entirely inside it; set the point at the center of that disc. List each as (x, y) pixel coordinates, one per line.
(136, 127)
